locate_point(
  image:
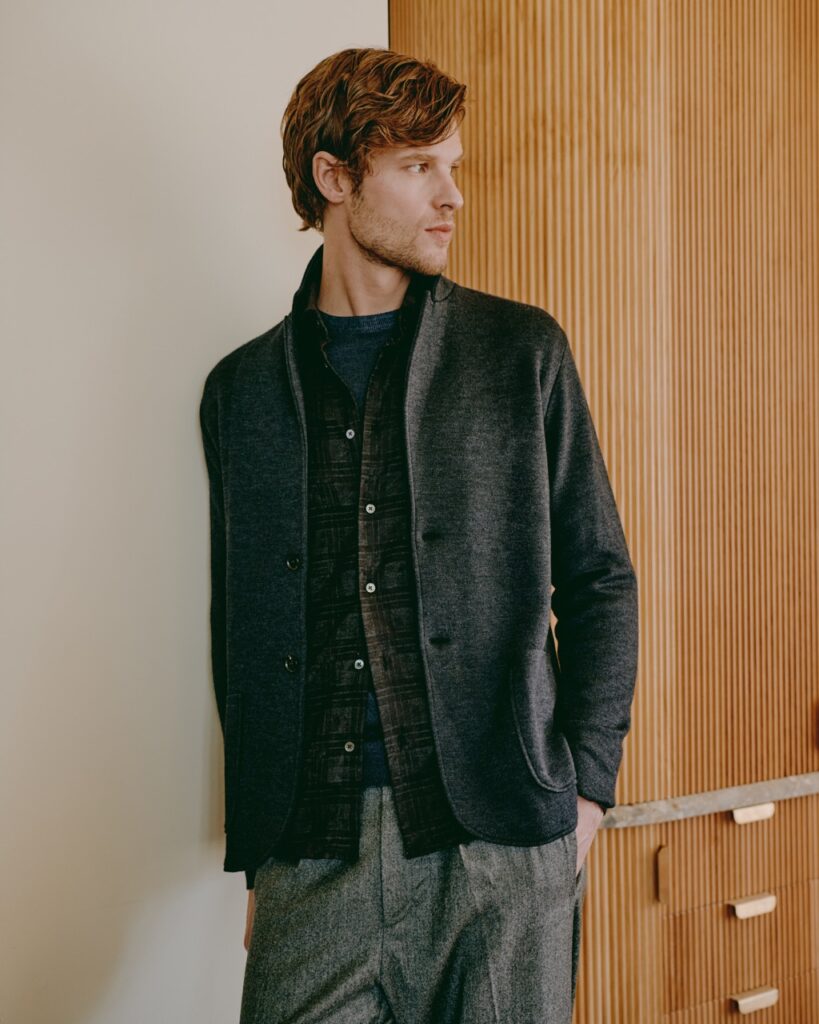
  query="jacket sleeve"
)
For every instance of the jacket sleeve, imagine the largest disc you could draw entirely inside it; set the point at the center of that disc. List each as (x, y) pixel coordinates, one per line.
(209, 425)
(208, 420)
(595, 591)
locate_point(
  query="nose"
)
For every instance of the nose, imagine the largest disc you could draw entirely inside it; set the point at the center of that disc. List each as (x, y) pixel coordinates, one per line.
(451, 195)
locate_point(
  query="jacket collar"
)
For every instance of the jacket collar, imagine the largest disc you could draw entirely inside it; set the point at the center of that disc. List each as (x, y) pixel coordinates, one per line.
(426, 296)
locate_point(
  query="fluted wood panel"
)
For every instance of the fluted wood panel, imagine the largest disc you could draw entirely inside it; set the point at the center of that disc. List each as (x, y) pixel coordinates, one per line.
(744, 129)
(648, 172)
(622, 960)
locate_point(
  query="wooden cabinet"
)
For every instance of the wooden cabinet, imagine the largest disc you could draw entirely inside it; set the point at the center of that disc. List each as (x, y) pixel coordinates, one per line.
(708, 859)
(741, 912)
(711, 953)
(685, 921)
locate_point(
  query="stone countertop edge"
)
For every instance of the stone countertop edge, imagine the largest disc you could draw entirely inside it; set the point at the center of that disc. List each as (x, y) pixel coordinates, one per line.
(694, 804)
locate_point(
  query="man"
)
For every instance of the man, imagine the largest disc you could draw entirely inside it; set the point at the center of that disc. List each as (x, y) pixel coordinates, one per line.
(400, 471)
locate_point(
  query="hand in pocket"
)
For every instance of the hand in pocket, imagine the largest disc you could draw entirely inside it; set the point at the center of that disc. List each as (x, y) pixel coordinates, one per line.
(251, 909)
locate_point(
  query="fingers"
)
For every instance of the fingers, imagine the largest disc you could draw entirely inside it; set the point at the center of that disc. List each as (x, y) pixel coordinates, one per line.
(251, 907)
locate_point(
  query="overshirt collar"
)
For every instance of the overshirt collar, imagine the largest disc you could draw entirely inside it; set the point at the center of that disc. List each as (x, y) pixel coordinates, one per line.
(310, 328)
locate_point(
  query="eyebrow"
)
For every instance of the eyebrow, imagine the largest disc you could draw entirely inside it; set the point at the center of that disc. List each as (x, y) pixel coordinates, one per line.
(428, 156)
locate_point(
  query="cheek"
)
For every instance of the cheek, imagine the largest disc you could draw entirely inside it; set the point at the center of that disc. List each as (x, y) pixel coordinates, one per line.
(402, 201)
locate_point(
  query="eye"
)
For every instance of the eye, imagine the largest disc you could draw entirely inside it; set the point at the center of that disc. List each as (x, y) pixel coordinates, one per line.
(454, 168)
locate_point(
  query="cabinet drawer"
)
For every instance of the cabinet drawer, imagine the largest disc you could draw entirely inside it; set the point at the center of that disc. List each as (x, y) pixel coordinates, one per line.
(711, 952)
(708, 859)
(797, 1003)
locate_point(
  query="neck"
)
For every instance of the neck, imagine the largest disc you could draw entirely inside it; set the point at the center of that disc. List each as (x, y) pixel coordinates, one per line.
(352, 285)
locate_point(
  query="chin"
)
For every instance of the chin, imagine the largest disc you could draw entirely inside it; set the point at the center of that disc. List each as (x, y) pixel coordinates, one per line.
(429, 265)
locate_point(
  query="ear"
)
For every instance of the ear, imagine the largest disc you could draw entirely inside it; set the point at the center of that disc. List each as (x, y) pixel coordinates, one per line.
(330, 176)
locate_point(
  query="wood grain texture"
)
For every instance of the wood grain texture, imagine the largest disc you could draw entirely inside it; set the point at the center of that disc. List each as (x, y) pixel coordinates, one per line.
(648, 171)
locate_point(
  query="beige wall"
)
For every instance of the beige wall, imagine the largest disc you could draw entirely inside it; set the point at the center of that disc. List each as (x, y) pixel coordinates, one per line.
(147, 230)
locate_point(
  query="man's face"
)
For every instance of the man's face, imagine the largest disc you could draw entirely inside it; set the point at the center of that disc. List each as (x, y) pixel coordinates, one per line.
(411, 190)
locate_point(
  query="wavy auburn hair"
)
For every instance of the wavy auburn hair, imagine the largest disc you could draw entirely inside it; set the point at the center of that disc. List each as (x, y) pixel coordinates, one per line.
(358, 100)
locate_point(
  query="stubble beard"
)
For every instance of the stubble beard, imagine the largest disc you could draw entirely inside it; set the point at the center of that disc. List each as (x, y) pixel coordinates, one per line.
(378, 240)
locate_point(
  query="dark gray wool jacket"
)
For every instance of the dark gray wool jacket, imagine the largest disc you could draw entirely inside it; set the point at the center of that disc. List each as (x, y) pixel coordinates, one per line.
(509, 497)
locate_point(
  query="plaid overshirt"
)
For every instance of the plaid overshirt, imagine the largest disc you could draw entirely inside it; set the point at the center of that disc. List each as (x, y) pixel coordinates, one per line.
(362, 624)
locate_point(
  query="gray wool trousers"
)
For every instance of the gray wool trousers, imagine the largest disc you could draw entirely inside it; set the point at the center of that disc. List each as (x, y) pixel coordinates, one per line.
(478, 933)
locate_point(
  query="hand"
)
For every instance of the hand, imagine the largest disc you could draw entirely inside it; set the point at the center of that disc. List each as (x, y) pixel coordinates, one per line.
(589, 816)
(251, 909)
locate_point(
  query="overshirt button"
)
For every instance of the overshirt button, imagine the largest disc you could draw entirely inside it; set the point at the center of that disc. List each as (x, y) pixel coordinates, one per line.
(370, 507)
(350, 433)
(291, 662)
(349, 745)
(293, 562)
(370, 588)
(359, 663)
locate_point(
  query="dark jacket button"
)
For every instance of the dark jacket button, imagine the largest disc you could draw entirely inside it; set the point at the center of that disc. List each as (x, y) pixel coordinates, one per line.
(291, 662)
(293, 562)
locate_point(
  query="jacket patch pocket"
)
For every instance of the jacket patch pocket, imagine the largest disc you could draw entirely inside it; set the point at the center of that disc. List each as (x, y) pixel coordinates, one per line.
(233, 751)
(533, 693)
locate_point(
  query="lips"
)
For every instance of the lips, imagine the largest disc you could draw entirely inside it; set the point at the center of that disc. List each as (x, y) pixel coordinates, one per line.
(442, 229)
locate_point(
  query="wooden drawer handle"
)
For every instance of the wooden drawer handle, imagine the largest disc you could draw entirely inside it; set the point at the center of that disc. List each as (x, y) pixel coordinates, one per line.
(753, 906)
(756, 999)
(756, 812)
